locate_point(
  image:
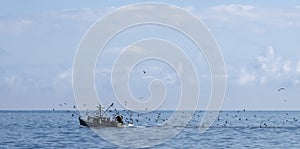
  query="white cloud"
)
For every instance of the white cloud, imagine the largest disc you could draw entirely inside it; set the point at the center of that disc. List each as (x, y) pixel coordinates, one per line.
(51, 21)
(225, 13)
(235, 9)
(270, 68)
(287, 66)
(272, 64)
(298, 67)
(246, 77)
(23, 83)
(269, 62)
(235, 13)
(16, 26)
(12, 81)
(81, 14)
(263, 80)
(63, 80)
(296, 81)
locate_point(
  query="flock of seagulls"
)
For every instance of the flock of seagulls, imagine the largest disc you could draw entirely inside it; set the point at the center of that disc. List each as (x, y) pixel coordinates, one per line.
(135, 118)
(229, 119)
(63, 105)
(254, 119)
(226, 119)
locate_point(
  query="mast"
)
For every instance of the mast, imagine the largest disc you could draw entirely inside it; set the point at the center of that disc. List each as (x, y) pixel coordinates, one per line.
(99, 110)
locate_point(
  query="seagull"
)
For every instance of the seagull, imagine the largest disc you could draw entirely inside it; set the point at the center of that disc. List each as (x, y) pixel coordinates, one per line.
(280, 89)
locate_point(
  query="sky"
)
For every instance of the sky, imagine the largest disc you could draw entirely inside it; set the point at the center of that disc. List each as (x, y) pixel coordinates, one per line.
(258, 39)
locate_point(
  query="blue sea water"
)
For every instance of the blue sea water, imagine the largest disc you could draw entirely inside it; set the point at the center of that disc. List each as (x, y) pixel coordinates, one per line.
(232, 129)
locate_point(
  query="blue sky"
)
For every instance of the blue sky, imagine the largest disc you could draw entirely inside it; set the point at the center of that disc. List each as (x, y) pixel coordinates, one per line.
(258, 39)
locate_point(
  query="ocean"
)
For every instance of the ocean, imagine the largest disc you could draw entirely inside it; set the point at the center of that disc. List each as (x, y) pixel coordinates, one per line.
(232, 129)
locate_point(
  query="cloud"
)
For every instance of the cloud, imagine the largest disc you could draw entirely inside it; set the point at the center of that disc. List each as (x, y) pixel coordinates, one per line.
(226, 13)
(275, 65)
(246, 77)
(234, 14)
(269, 68)
(298, 67)
(235, 10)
(16, 26)
(80, 14)
(287, 66)
(50, 21)
(20, 83)
(269, 62)
(12, 81)
(63, 80)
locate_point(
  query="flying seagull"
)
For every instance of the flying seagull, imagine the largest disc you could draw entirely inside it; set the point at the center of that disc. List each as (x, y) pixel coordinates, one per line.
(282, 88)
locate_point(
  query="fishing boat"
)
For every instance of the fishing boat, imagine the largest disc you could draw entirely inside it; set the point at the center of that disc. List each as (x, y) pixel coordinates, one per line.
(101, 119)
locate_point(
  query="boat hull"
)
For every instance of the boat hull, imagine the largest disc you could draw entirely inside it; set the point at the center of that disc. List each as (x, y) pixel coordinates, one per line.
(97, 123)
